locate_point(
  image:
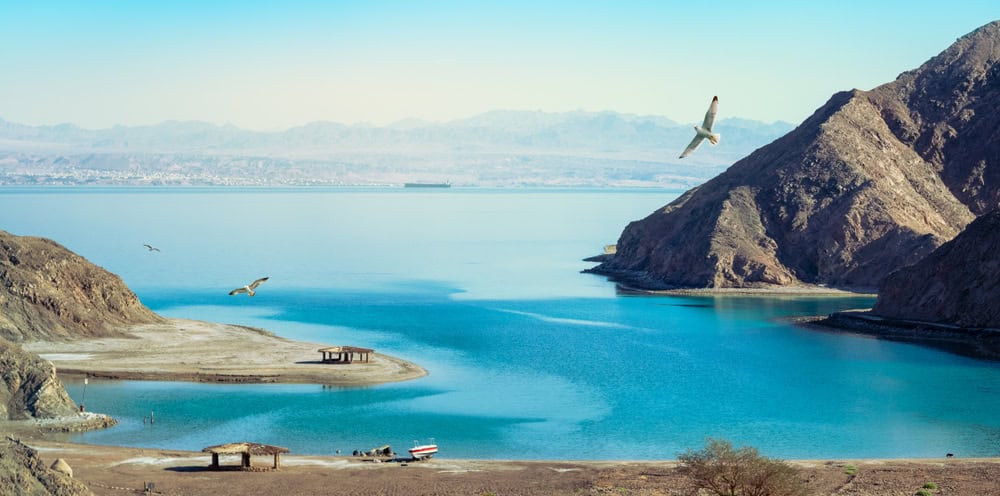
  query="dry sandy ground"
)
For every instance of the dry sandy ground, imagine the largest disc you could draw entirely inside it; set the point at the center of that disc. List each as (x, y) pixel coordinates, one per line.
(121, 471)
(191, 350)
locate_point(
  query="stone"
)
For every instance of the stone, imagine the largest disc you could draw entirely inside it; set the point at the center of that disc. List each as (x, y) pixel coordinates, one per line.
(62, 467)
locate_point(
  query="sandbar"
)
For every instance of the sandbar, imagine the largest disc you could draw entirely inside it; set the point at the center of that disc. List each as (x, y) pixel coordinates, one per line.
(198, 351)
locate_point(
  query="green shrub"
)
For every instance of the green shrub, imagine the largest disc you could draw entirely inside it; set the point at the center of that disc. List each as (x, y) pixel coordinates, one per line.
(850, 470)
(724, 471)
(930, 485)
(923, 492)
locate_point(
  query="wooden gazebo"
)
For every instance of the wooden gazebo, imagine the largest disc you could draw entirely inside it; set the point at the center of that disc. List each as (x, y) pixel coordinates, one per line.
(246, 450)
(345, 354)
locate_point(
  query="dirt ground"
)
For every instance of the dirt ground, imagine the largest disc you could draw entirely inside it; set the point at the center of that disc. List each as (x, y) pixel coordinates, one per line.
(191, 350)
(122, 471)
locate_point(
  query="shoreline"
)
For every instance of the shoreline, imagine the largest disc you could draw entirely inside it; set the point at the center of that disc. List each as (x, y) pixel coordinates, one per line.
(199, 351)
(802, 290)
(108, 470)
(982, 344)
(214, 352)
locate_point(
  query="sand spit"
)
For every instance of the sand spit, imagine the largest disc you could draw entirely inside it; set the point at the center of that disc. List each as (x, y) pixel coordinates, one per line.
(191, 350)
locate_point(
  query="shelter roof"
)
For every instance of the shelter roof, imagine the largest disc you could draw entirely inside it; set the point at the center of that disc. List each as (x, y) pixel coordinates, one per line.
(346, 349)
(255, 449)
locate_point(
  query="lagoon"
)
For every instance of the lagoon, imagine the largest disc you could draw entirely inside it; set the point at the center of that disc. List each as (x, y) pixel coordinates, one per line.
(528, 358)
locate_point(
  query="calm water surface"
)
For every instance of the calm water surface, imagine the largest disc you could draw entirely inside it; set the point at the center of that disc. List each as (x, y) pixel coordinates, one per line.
(528, 358)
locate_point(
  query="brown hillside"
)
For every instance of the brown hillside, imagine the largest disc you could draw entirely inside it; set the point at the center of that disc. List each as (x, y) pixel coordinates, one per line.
(871, 182)
(957, 284)
(47, 291)
(22, 472)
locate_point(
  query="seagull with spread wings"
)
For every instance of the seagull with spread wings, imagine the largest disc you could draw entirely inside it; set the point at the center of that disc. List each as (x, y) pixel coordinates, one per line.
(249, 288)
(705, 130)
(151, 247)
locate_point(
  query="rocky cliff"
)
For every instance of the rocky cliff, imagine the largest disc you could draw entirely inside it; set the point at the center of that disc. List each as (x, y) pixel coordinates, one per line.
(871, 182)
(22, 472)
(29, 387)
(957, 284)
(47, 291)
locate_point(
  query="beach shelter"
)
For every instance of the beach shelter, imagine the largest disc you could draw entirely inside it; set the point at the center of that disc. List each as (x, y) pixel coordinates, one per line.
(345, 354)
(245, 450)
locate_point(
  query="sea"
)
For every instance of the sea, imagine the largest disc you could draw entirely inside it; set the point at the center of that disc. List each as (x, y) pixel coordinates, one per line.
(528, 357)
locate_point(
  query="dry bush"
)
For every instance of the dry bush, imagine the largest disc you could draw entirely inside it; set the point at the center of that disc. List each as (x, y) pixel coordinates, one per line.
(725, 471)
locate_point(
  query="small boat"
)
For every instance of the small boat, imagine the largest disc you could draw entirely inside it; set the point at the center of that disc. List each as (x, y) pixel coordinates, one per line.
(426, 450)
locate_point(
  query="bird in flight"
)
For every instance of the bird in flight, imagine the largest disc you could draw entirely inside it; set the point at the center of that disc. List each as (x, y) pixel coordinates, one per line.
(249, 288)
(151, 248)
(705, 130)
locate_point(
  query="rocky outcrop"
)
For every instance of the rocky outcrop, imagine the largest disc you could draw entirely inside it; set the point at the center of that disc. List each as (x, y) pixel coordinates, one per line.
(946, 111)
(29, 387)
(48, 292)
(957, 284)
(871, 182)
(22, 472)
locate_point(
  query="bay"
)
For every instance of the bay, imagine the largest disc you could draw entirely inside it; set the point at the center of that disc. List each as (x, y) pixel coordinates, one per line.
(527, 357)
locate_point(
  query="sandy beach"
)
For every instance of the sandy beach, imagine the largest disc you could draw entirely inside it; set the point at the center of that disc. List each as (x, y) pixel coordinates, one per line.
(117, 471)
(191, 350)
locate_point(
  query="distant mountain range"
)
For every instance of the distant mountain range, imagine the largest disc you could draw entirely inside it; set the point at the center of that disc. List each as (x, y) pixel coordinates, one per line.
(499, 148)
(871, 182)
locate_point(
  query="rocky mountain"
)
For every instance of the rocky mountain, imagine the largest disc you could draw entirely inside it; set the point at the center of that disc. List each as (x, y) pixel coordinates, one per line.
(957, 284)
(499, 148)
(49, 292)
(23, 473)
(29, 387)
(871, 182)
(946, 112)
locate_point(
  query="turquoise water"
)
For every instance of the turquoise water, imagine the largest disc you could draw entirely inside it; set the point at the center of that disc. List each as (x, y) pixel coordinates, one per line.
(528, 358)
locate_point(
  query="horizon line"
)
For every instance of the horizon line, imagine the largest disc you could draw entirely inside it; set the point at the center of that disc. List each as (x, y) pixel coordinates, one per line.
(368, 124)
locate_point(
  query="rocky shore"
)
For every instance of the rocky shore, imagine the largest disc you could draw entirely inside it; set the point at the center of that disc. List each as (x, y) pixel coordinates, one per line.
(982, 343)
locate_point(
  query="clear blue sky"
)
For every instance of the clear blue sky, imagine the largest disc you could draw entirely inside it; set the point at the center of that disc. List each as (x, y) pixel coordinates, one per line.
(273, 65)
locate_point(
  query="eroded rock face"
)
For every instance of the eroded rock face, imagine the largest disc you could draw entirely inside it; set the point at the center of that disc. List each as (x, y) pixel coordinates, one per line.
(871, 182)
(29, 387)
(946, 110)
(23, 472)
(48, 292)
(957, 284)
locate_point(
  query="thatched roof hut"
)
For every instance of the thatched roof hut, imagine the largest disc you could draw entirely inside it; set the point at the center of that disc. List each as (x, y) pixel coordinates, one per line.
(246, 450)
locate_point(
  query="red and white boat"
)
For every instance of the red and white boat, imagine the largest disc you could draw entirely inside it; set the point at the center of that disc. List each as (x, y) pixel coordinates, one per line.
(426, 450)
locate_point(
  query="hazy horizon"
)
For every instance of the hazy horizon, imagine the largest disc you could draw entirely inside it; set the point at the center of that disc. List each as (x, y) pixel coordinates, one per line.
(271, 66)
(405, 121)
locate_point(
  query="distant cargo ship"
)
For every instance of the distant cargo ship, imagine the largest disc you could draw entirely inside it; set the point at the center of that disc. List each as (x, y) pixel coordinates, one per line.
(426, 185)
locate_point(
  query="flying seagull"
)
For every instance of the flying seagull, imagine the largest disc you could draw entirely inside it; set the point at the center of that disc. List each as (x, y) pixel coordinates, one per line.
(705, 131)
(249, 288)
(151, 248)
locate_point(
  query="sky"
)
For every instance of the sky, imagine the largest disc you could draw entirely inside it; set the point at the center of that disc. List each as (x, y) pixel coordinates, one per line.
(272, 65)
